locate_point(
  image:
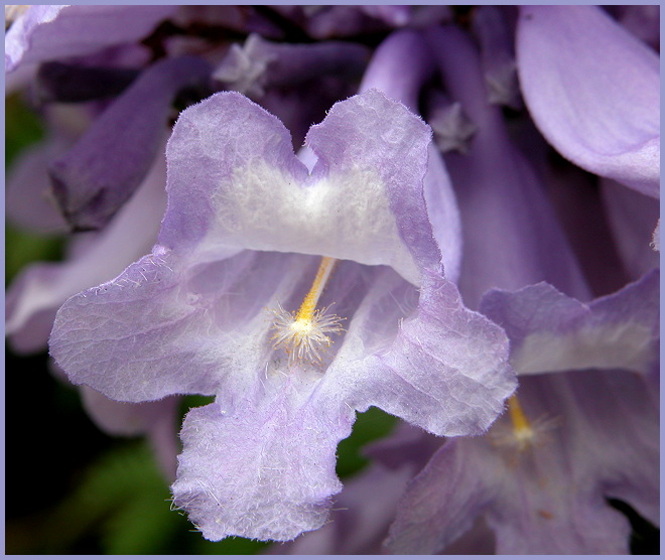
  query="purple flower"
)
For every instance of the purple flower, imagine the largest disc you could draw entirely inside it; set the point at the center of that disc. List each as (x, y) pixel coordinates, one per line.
(197, 315)
(375, 267)
(540, 477)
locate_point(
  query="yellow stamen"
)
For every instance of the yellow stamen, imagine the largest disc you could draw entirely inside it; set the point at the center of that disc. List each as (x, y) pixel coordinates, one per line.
(304, 335)
(522, 434)
(308, 305)
(520, 422)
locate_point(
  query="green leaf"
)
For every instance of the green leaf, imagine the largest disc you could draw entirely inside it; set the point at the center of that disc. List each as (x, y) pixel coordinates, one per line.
(143, 525)
(22, 128)
(122, 499)
(22, 248)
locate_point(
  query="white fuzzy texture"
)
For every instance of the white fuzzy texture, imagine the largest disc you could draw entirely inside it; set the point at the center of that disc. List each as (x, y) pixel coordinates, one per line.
(342, 216)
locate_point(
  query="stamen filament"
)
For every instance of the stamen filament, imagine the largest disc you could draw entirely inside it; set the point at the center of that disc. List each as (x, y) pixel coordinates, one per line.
(517, 417)
(308, 305)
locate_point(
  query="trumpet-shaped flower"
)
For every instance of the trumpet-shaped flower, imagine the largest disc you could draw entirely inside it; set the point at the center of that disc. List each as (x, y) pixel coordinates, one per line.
(295, 298)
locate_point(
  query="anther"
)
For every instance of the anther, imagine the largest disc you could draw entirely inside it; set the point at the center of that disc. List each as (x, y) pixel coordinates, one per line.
(305, 334)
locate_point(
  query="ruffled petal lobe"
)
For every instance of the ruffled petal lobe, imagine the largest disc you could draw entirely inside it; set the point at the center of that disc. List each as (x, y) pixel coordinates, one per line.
(266, 472)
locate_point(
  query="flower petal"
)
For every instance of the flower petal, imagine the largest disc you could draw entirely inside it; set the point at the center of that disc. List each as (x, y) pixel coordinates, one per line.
(553, 332)
(446, 371)
(549, 498)
(593, 90)
(251, 191)
(56, 32)
(371, 132)
(169, 328)
(265, 471)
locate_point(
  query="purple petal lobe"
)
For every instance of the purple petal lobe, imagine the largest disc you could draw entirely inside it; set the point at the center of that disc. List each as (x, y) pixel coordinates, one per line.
(593, 90)
(280, 450)
(235, 182)
(372, 132)
(132, 339)
(446, 370)
(170, 325)
(553, 332)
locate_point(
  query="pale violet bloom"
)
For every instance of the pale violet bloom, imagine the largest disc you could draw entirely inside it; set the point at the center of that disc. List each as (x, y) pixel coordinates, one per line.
(208, 310)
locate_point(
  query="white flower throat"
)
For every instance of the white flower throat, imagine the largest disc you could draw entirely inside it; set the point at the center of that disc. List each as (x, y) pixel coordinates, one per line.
(304, 334)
